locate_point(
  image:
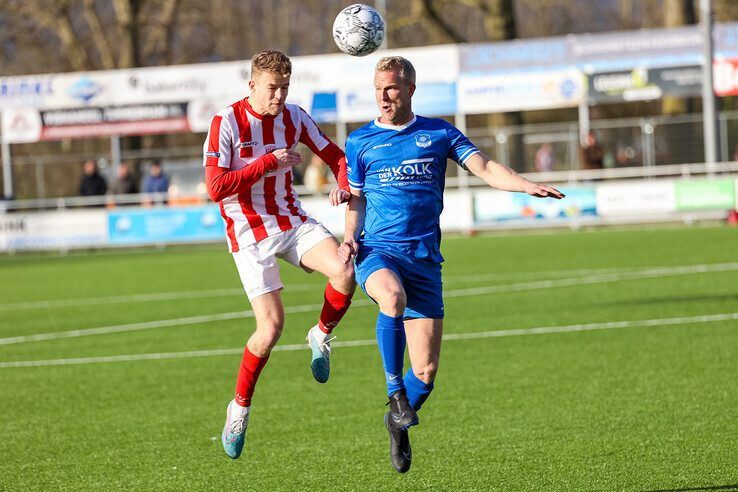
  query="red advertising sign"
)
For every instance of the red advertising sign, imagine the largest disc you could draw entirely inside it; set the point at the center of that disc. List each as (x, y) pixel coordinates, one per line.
(725, 77)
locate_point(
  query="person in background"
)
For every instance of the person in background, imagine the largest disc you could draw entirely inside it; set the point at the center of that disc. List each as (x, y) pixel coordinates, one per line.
(156, 181)
(544, 158)
(124, 184)
(92, 183)
(315, 175)
(592, 153)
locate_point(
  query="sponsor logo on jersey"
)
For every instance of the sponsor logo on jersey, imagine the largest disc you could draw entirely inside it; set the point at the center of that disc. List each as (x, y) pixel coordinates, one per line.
(269, 148)
(381, 145)
(212, 154)
(410, 171)
(423, 140)
(251, 143)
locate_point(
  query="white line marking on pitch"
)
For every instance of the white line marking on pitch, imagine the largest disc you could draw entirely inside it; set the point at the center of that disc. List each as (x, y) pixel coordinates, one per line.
(362, 343)
(472, 291)
(304, 287)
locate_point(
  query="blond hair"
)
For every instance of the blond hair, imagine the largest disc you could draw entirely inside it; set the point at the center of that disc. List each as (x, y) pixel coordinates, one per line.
(272, 61)
(398, 64)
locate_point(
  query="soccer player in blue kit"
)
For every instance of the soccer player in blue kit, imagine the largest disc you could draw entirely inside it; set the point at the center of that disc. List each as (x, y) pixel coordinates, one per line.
(396, 169)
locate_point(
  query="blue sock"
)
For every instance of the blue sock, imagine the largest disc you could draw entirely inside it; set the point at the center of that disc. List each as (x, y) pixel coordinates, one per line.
(417, 390)
(391, 341)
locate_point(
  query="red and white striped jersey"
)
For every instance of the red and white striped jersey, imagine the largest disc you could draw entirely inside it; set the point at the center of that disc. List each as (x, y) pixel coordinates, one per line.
(238, 136)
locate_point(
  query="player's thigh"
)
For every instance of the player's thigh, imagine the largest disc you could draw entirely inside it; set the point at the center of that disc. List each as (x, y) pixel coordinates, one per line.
(424, 341)
(258, 268)
(312, 247)
(323, 258)
(268, 312)
(384, 286)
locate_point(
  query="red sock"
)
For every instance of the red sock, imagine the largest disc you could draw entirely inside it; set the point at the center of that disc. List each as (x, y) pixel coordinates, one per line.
(334, 307)
(248, 373)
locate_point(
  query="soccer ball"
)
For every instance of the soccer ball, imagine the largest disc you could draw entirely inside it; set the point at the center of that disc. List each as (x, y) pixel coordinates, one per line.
(358, 30)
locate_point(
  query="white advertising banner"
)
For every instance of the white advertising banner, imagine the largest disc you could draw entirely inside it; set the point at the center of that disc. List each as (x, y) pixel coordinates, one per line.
(520, 91)
(206, 81)
(637, 198)
(53, 230)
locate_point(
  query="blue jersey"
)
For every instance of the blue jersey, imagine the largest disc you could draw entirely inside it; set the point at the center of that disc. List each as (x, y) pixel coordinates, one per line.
(401, 171)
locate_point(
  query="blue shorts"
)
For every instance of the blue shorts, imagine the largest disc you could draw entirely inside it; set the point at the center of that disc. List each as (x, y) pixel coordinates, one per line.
(420, 279)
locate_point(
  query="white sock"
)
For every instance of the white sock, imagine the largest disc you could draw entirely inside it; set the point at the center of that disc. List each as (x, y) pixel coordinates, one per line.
(237, 410)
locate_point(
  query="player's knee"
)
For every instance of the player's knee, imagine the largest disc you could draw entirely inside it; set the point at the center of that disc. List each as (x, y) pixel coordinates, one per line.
(268, 333)
(393, 301)
(343, 276)
(426, 372)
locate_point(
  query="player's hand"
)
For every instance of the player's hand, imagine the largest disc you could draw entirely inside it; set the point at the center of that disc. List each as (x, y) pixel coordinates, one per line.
(287, 158)
(347, 251)
(542, 191)
(338, 196)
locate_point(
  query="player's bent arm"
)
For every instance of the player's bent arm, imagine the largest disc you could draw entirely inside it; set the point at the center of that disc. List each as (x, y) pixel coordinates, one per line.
(503, 178)
(222, 183)
(355, 212)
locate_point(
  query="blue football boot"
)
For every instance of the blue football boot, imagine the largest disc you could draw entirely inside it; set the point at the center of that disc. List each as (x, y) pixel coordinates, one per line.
(320, 345)
(234, 431)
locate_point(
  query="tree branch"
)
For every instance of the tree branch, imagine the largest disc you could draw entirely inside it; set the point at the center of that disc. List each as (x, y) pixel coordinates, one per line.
(98, 35)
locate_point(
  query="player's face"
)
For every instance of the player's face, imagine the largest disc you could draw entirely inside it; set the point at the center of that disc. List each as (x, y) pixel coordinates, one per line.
(269, 92)
(393, 96)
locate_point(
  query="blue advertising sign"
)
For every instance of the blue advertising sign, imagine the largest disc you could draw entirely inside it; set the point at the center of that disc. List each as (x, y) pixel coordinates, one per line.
(437, 99)
(151, 226)
(495, 206)
(324, 108)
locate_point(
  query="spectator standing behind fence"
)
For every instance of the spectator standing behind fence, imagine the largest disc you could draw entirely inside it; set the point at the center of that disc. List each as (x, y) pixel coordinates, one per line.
(544, 158)
(156, 181)
(92, 183)
(124, 184)
(592, 153)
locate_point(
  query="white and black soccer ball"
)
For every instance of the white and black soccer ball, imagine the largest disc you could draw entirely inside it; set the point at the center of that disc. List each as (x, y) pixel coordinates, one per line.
(358, 30)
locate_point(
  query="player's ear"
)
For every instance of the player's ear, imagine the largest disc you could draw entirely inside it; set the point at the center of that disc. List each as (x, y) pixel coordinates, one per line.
(411, 90)
(252, 84)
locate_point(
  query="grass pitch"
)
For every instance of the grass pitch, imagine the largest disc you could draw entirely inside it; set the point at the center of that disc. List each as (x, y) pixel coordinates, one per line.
(601, 360)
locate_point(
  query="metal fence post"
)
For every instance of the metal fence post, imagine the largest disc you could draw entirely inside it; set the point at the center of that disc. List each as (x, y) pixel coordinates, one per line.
(7, 169)
(724, 144)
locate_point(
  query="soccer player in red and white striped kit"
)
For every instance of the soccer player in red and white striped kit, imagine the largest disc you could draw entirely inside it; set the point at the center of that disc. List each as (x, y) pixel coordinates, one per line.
(249, 155)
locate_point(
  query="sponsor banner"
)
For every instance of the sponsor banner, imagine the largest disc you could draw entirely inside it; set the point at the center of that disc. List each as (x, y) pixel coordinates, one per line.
(151, 226)
(599, 52)
(645, 47)
(705, 194)
(636, 198)
(644, 84)
(225, 80)
(53, 230)
(500, 206)
(521, 91)
(435, 99)
(57, 124)
(514, 55)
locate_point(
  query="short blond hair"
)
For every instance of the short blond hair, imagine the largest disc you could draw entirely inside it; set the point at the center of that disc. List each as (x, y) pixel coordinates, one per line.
(272, 61)
(398, 64)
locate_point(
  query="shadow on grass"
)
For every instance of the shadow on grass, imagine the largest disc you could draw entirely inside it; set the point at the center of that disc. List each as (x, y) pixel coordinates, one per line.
(714, 487)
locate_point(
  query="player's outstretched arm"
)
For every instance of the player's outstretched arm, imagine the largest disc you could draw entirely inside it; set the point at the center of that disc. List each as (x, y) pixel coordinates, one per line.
(355, 212)
(503, 178)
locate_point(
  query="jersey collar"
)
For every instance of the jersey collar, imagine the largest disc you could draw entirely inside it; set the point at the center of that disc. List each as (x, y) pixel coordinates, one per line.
(394, 127)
